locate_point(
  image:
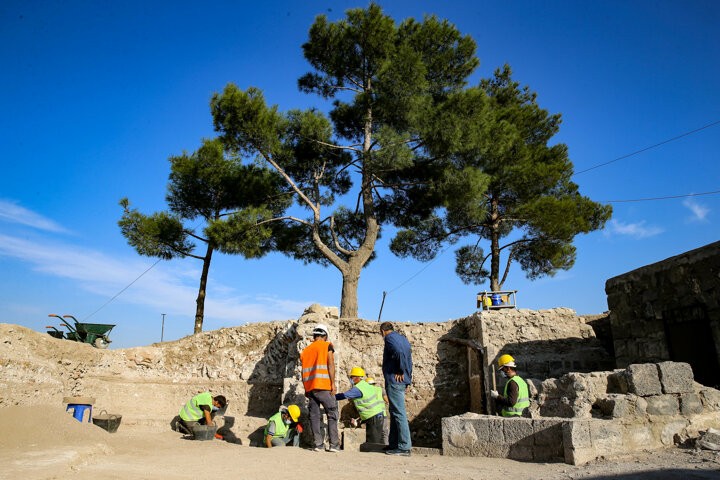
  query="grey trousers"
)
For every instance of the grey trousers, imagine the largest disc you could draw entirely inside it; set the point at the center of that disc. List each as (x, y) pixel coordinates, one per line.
(324, 398)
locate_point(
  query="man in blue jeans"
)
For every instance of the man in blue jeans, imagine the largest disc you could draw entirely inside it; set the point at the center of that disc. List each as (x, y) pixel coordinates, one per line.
(397, 370)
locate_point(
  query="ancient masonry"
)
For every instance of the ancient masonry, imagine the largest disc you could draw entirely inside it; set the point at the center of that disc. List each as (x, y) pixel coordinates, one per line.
(581, 408)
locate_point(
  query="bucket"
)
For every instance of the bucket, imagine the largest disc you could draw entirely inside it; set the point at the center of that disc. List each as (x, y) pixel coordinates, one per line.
(496, 299)
(107, 421)
(204, 432)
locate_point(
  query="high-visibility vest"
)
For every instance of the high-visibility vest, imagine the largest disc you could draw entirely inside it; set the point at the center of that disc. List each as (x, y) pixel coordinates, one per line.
(369, 404)
(523, 400)
(281, 429)
(315, 373)
(192, 412)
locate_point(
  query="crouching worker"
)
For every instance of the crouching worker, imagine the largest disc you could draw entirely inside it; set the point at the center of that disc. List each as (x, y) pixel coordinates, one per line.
(515, 399)
(369, 403)
(200, 409)
(283, 427)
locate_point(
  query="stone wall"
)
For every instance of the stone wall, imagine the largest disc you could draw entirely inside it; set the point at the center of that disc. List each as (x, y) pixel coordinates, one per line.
(599, 414)
(255, 366)
(544, 343)
(670, 310)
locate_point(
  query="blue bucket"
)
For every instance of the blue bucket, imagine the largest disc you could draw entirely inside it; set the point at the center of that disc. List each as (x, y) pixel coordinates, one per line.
(496, 299)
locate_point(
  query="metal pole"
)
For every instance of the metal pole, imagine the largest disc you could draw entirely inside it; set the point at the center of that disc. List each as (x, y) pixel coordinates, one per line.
(162, 332)
(381, 306)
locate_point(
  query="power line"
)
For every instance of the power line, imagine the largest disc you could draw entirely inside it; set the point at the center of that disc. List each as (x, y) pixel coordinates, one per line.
(121, 291)
(661, 198)
(650, 147)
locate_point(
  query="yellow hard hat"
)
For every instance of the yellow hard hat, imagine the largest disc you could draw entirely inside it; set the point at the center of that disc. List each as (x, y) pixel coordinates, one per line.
(357, 372)
(506, 361)
(294, 412)
(370, 380)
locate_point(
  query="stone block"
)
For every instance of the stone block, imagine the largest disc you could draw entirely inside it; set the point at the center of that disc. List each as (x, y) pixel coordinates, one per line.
(518, 431)
(690, 404)
(497, 447)
(459, 437)
(606, 436)
(617, 382)
(547, 432)
(676, 377)
(352, 438)
(520, 452)
(662, 405)
(672, 430)
(643, 379)
(548, 453)
(576, 434)
(639, 436)
(710, 399)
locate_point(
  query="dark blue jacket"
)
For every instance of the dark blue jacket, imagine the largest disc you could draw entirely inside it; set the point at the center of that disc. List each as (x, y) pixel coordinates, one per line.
(397, 358)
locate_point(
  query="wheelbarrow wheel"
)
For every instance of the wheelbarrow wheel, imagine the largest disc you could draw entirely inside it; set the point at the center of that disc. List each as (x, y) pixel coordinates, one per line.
(101, 343)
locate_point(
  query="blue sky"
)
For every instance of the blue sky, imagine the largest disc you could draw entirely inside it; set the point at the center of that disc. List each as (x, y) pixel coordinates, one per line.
(96, 95)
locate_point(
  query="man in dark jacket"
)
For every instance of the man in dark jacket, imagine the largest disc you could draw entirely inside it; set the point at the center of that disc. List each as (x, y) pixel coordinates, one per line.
(397, 370)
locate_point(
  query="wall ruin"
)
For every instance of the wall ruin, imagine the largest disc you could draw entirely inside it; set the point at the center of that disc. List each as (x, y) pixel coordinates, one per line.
(670, 310)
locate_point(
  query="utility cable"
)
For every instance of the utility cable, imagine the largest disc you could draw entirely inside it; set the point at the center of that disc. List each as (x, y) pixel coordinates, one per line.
(121, 291)
(650, 147)
(661, 198)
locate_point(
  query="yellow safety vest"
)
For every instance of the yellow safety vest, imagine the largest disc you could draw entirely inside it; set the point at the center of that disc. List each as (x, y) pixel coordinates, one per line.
(281, 429)
(370, 404)
(523, 400)
(192, 412)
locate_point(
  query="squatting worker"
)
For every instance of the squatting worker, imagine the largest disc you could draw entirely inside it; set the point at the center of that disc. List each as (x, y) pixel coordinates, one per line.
(318, 376)
(386, 422)
(200, 410)
(515, 398)
(397, 370)
(283, 427)
(369, 404)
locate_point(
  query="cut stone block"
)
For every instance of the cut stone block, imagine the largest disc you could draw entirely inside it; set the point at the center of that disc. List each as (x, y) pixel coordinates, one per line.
(690, 404)
(643, 379)
(518, 432)
(662, 405)
(676, 377)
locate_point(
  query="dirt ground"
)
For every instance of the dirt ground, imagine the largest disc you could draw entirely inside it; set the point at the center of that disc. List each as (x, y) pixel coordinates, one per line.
(45, 442)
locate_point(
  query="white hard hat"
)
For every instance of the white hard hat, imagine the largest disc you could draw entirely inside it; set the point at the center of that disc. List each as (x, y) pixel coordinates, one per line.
(320, 329)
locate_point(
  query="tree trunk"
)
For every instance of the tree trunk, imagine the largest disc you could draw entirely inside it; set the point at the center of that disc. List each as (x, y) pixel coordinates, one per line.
(494, 246)
(349, 300)
(200, 310)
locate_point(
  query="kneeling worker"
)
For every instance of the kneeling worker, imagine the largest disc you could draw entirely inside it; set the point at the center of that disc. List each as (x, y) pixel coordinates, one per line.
(283, 427)
(369, 403)
(515, 398)
(200, 410)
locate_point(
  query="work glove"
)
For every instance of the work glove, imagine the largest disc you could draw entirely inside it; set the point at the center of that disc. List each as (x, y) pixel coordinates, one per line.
(494, 394)
(299, 428)
(355, 422)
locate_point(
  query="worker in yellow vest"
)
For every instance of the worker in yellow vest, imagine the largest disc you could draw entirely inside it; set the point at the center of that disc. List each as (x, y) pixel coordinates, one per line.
(318, 377)
(284, 428)
(383, 395)
(200, 409)
(515, 398)
(369, 403)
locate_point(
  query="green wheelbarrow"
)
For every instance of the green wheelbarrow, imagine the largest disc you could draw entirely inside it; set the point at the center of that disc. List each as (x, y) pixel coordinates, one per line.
(96, 334)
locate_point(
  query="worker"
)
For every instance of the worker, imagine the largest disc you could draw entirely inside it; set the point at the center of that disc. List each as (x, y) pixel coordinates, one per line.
(515, 398)
(369, 403)
(318, 377)
(200, 409)
(386, 420)
(284, 427)
(397, 370)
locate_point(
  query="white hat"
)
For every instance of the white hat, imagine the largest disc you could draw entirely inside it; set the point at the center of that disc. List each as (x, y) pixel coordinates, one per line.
(320, 329)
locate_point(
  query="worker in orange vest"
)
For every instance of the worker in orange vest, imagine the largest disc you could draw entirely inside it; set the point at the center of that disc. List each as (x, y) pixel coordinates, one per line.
(318, 376)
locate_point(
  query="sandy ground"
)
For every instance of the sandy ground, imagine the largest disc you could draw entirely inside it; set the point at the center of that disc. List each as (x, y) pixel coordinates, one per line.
(44, 442)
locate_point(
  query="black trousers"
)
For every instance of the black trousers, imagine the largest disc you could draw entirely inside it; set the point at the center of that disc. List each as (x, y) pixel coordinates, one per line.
(374, 429)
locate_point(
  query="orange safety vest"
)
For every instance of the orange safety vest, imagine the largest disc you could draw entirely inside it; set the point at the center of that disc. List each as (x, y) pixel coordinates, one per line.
(315, 373)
